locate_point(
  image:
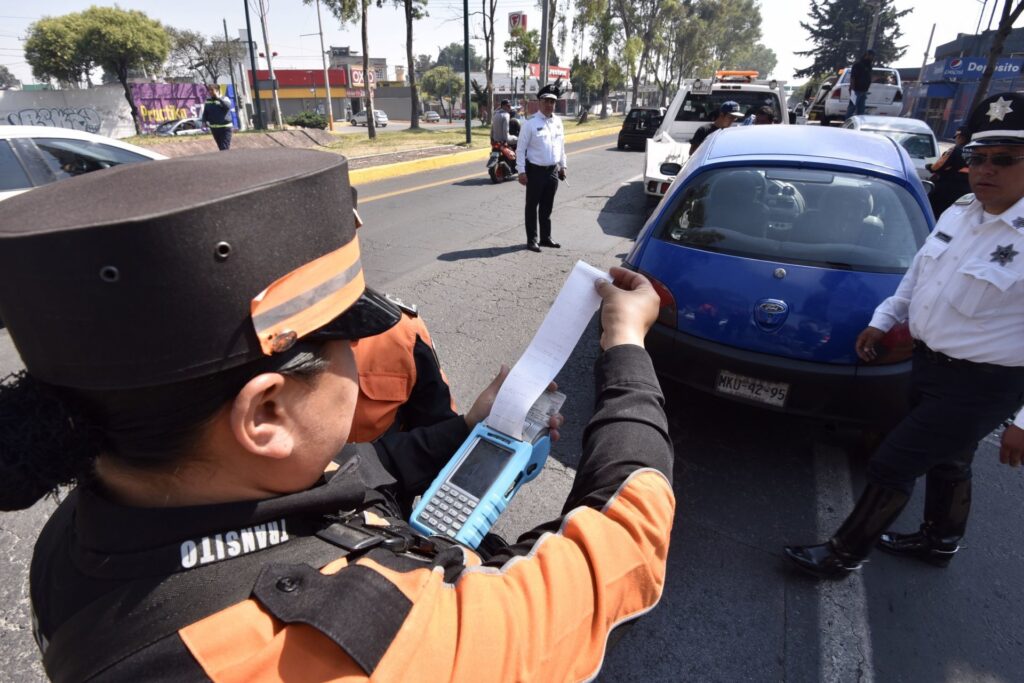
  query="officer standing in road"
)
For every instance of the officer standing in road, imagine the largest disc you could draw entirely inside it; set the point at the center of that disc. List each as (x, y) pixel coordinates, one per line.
(727, 114)
(541, 164)
(217, 116)
(860, 83)
(220, 527)
(949, 173)
(964, 299)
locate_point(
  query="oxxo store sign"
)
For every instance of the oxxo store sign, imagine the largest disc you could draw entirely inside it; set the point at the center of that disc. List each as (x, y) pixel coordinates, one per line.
(971, 68)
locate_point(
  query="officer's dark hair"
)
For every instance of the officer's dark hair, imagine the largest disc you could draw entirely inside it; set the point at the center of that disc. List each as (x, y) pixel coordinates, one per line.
(50, 436)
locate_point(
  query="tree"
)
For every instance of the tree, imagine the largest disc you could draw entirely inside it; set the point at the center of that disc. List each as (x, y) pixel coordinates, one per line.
(424, 63)
(55, 51)
(641, 21)
(351, 11)
(758, 58)
(442, 81)
(596, 17)
(453, 56)
(1006, 20)
(489, 7)
(191, 52)
(7, 79)
(121, 41)
(522, 48)
(839, 30)
(414, 10)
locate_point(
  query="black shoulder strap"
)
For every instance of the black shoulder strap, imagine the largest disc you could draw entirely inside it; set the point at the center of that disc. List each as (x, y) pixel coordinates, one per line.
(141, 612)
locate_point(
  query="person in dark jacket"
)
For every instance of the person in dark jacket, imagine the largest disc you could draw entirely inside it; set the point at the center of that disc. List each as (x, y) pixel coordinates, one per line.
(221, 527)
(217, 116)
(860, 83)
(949, 173)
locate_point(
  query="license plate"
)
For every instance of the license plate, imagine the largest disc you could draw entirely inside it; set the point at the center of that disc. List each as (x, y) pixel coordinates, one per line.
(772, 393)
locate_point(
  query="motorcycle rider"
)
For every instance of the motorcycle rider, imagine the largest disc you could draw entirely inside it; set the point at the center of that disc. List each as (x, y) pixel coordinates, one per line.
(500, 125)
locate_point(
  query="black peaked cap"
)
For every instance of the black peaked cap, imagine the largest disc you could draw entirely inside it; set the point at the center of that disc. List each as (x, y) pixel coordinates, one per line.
(143, 274)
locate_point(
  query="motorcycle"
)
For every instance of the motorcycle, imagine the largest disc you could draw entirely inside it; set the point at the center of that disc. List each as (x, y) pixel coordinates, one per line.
(502, 163)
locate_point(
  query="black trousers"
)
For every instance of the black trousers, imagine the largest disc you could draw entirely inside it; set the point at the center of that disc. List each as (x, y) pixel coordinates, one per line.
(955, 404)
(541, 185)
(222, 136)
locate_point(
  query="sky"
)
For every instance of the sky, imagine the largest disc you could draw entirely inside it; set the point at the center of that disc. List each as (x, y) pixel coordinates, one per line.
(291, 23)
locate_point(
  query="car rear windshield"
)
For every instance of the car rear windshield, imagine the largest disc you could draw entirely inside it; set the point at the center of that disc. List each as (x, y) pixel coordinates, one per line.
(807, 216)
(918, 145)
(705, 107)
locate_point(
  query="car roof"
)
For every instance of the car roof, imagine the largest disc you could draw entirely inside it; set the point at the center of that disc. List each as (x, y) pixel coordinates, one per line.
(10, 132)
(807, 144)
(892, 123)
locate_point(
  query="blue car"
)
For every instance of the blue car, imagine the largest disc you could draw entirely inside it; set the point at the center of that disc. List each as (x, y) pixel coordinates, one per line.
(770, 252)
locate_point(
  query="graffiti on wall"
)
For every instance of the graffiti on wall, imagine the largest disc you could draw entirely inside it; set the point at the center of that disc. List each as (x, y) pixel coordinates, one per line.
(78, 118)
(162, 102)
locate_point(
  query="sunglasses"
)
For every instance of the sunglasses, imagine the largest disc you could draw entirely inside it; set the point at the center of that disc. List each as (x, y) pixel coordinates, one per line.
(973, 159)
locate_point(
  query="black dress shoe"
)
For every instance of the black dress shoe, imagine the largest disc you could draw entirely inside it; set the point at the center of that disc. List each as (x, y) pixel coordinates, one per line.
(821, 560)
(533, 247)
(550, 244)
(921, 545)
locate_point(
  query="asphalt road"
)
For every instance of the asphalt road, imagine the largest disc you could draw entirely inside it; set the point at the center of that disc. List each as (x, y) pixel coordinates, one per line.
(747, 480)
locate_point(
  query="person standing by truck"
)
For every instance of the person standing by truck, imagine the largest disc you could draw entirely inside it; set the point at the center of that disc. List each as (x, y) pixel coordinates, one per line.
(860, 83)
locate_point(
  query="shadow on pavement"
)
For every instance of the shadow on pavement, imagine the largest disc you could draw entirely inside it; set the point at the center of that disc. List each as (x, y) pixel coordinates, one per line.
(619, 215)
(486, 252)
(474, 182)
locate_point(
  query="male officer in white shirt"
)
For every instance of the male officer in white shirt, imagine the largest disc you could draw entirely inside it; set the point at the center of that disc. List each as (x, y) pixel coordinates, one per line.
(541, 164)
(963, 297)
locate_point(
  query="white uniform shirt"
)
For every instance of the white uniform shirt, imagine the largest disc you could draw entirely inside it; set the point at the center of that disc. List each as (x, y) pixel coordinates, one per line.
(959, 296)
(541, 142)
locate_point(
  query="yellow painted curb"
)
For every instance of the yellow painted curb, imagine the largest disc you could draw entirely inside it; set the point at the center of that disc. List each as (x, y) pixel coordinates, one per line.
(374, 173)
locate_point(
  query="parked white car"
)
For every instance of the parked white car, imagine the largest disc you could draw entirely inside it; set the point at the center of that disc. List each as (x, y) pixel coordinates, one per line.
(431, 117)
(380, 119)
(694, 105)
(885, 96)
(914, 135)
(37, 155)
(191, 126)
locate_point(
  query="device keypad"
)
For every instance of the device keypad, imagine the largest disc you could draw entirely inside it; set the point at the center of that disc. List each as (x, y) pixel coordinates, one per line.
(448, 510)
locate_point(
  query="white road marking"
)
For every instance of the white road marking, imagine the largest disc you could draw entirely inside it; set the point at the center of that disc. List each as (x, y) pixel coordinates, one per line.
(845, 640)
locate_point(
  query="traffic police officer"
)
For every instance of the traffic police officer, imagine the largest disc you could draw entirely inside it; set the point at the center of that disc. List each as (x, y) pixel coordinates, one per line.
(217, 116)
(189, 364)
(964, 299)
(541, 164)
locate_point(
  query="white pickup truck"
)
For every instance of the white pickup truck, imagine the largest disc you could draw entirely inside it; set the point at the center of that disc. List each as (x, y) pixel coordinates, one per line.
(885, 96)
(696, 104)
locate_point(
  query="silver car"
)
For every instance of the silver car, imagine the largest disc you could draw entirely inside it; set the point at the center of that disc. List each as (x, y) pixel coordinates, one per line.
(913, 135)
(380, 119)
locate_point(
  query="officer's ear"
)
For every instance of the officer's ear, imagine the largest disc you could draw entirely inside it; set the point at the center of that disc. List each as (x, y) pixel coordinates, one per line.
(260, 417)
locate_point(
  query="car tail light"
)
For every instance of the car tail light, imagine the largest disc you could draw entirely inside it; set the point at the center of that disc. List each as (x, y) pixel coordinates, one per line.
(896, 346)
(837, 93)
(664, 188)
(898, 97)
(667, 314)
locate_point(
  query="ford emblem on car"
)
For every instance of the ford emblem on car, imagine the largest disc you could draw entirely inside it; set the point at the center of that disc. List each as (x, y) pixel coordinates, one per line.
(769, 314)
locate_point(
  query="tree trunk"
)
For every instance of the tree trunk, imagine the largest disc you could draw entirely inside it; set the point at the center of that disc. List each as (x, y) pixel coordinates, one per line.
(371, 122)
(1005, 26)
(414, 120)
(489, 49)
(605, 87)
(122, 75)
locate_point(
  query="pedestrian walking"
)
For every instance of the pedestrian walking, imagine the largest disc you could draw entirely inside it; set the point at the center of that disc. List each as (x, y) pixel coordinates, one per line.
(949, 174)
(221, 527)
(860, 83)
(963, 296)
(541, 164)
(726, 115)
(217, 116)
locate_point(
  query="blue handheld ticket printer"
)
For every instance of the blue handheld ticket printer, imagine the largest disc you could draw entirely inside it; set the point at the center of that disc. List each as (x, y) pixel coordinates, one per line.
(483, 476)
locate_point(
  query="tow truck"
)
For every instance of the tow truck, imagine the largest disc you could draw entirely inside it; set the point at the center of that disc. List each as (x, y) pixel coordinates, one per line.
(697, 103)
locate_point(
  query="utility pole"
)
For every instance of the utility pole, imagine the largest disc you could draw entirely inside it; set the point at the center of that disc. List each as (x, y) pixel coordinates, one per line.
(545, 39)
(465, 55)
(924, 62)
(231, 70)
(257, 105)
(270, 64)
(877, 4)
(327, 78)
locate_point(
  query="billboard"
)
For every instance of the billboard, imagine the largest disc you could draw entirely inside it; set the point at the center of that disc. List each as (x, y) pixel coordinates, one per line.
(162, 102)
(516, 20)
(553, 73)
(971, 68)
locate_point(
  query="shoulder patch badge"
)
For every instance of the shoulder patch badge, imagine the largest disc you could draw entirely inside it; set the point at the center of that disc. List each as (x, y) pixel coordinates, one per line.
(965, 200)
(1018, 222)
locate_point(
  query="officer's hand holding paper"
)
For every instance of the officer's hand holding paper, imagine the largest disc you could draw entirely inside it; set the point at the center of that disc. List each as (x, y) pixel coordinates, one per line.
(510, 446)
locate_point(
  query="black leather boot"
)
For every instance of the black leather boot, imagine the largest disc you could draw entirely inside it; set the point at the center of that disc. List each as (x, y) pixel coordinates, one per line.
(849, 547)
(947, 505)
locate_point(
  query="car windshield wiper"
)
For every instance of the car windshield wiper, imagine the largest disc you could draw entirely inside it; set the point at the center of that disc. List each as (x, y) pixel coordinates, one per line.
(840, 265)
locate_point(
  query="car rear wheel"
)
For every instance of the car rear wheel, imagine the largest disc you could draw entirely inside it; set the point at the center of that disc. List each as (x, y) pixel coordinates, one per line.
(620, 144)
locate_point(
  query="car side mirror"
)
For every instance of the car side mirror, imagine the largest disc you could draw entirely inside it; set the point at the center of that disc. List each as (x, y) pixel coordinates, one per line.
(928, 186)
(670, 168)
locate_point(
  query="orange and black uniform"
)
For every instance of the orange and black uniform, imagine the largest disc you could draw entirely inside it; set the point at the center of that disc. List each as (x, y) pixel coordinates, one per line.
(257, 610)
(949, 173)
(401, 383)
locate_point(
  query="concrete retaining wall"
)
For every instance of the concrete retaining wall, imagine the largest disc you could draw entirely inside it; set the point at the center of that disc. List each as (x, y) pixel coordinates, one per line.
(102, 110)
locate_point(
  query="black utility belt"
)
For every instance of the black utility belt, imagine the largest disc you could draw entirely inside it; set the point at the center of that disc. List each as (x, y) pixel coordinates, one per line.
(545, 168)
(940, 358)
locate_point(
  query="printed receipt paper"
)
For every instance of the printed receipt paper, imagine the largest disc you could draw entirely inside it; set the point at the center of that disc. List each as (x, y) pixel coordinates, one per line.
(557, 337)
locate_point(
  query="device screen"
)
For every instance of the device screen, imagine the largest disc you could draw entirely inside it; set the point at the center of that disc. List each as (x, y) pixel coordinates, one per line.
(480, 468)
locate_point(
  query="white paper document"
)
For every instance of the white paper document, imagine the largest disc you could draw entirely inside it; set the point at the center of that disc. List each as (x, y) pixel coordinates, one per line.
(551, 346)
